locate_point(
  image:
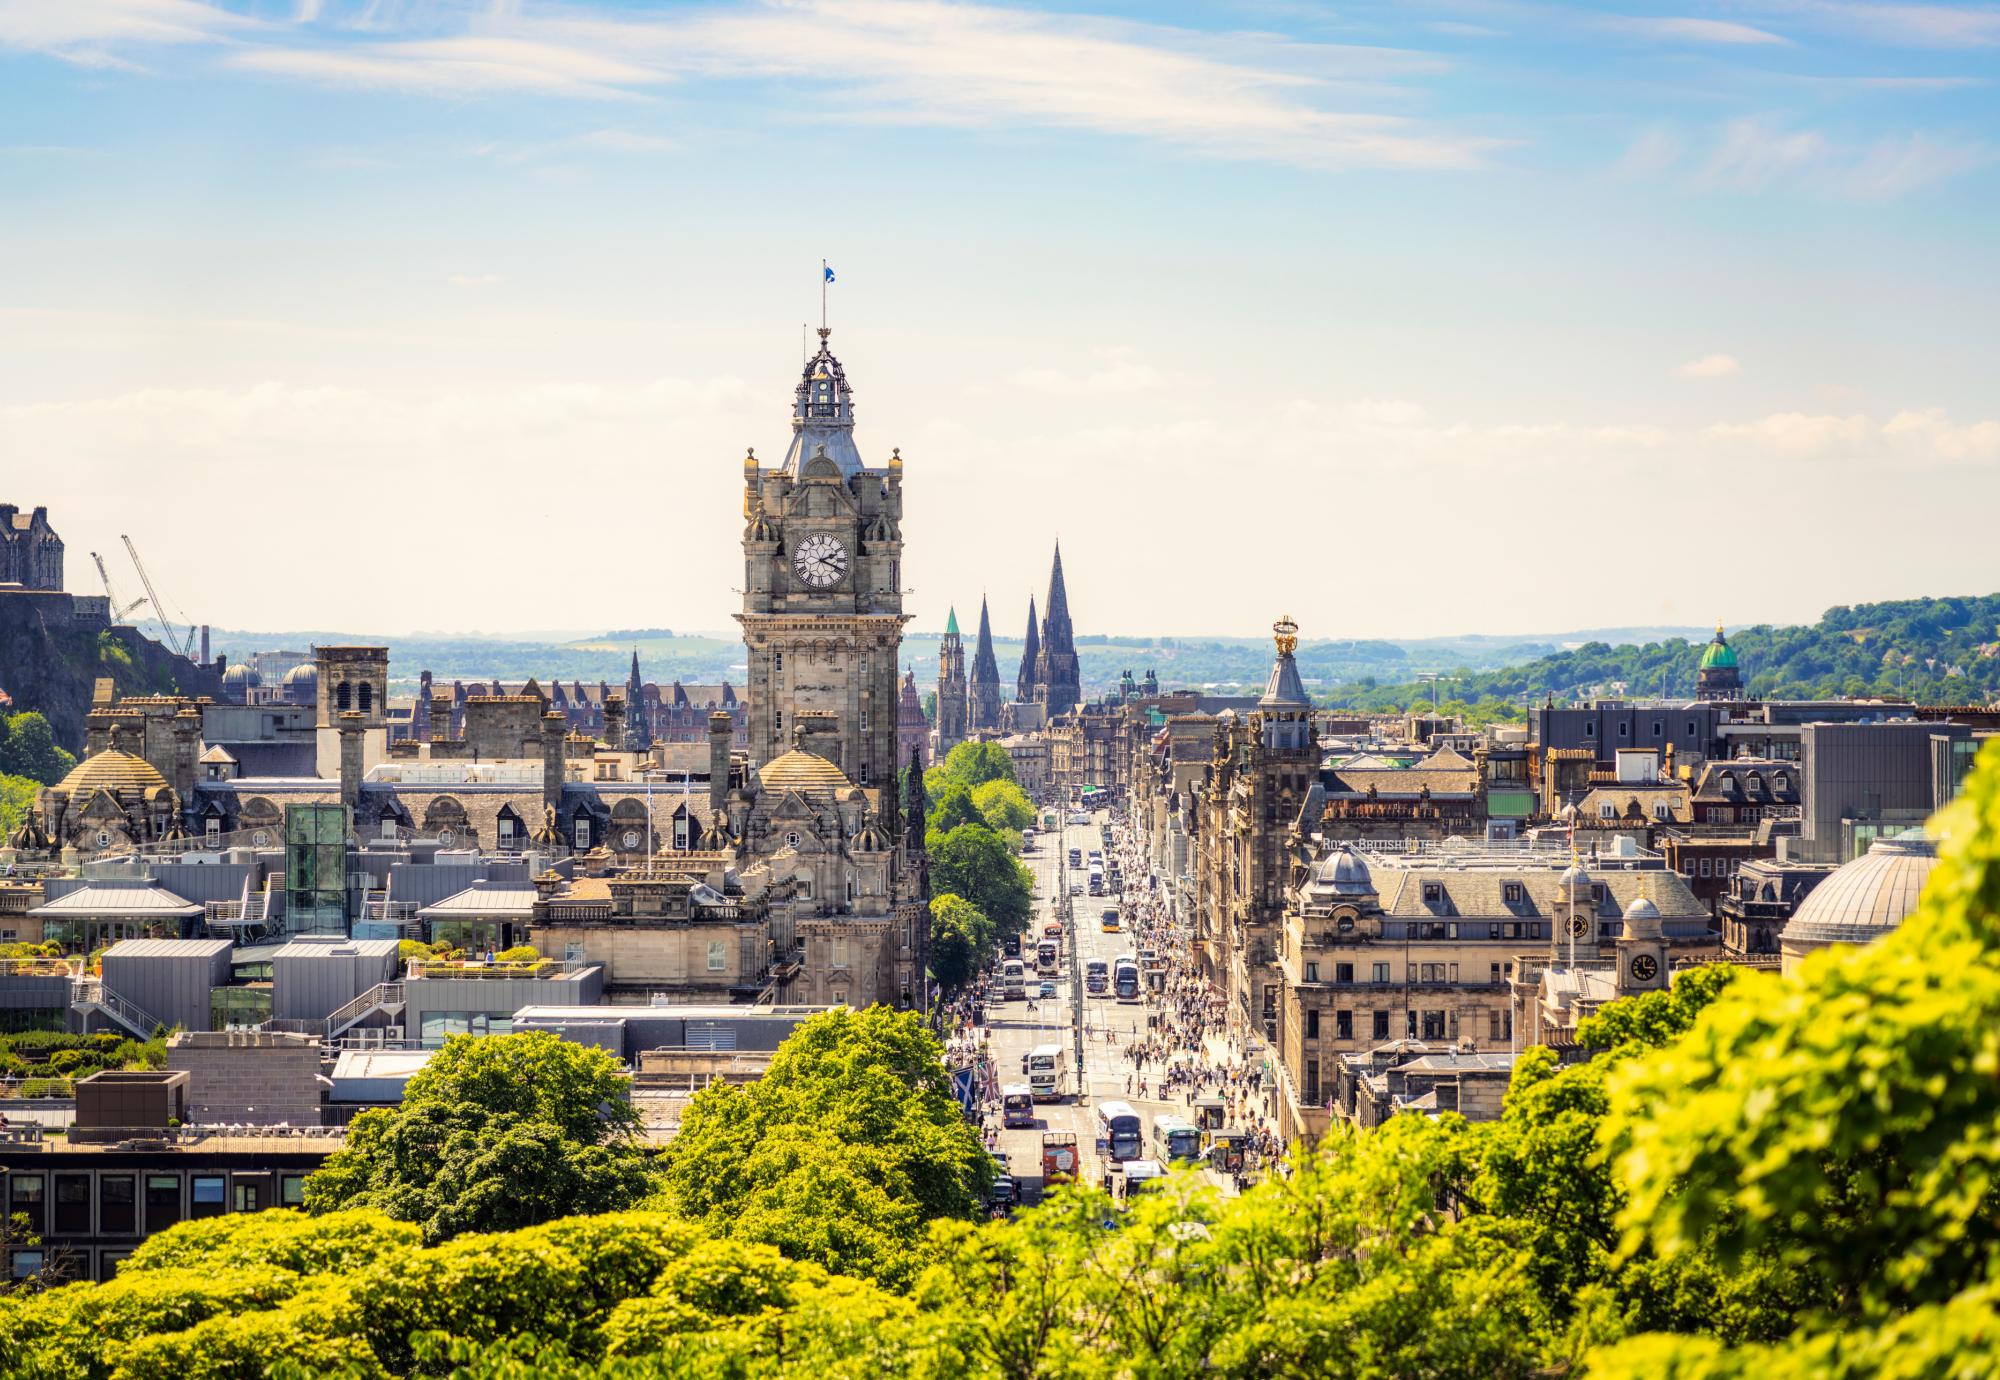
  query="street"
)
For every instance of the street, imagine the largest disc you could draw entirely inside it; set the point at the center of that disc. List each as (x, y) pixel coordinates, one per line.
(1108, 1025)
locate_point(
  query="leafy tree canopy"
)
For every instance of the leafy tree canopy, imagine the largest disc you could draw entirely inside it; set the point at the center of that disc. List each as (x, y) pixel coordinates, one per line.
(961, 936)
(974, 862)
(28, 748)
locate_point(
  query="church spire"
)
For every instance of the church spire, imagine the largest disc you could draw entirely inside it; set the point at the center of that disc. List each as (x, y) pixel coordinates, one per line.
(983, 700)
(1025, 683)
(1058, 677)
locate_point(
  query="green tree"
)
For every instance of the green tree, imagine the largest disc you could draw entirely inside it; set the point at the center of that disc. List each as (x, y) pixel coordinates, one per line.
(28, 748)
(856, 1110)
(974, 862)
(1004, 806)
(948, 811)
(970, 765)
(495, 1132)
(961, 936)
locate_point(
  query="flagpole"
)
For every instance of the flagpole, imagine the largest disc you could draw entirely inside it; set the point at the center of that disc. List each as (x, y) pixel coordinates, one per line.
(822, 294)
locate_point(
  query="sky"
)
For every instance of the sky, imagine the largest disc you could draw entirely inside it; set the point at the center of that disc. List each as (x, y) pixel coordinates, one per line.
(1407, 319)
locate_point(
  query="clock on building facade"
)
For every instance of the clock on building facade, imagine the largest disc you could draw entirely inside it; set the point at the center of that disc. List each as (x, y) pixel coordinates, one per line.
(822, 594)
(1645, 967)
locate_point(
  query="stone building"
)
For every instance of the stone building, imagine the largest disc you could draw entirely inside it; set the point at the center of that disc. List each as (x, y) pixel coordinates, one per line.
(823, 588)
(1427, 942)
(31, 554)
(913, 730)
(1058, 676)
(951, 696)
(982, 694)
(1262, 766)
(1862, 900)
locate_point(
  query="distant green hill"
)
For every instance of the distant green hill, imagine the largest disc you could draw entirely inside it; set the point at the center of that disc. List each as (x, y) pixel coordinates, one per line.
(1934, 651)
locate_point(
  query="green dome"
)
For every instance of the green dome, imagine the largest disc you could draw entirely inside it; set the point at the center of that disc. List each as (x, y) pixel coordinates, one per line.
(1719, 656)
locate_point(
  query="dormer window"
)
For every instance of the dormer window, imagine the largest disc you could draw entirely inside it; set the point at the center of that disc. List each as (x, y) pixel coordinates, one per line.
(1433, 893)
(1512, 891)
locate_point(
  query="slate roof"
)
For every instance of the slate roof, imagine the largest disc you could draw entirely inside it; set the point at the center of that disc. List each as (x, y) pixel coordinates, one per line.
(120, 896)
(1394, 783)
(483, 899)
(1480, 893)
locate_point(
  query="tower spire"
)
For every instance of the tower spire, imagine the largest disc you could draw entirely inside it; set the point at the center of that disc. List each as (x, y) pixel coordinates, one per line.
(1024, 684)
(1058, 676)
(983, 699)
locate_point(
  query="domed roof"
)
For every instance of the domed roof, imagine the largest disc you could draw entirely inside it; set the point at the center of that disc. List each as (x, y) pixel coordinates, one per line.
(802, 771)
(305, 673)
(111, 770)
(1864, 899)
(1344, 874)
(240, 675)
(1642, 919)
(1574, 878)
(1719, 655)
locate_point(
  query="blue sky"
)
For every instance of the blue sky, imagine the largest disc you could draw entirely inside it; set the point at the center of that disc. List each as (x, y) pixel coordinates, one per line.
(1406, 318)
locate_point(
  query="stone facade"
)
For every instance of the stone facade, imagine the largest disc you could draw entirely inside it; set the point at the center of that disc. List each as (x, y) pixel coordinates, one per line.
(248, 1077)
(31, 554)
(822, 596)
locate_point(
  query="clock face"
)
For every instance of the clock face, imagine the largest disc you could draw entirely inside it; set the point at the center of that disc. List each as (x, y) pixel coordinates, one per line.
(1645, 967)
(1579, 926)
(820, 561)
(631, 838)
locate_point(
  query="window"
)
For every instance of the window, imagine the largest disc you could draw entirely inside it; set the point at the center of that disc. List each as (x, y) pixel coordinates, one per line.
(1343, 972)
(1702, 868)
(1433, 1025)
(1343, 1025)
(206, 1195)
(839, 947)
(292, 1190)
(1624, 730)
(25, 1198)
(1590, 730)
(718, 956)
(249, 1195)
(1493, 1032)
(1380, 973)
(778, 722)
(27, 1264)
(115, 1215)
(1657, 732)
(163, 1201)
(777, 661)
(1312, 1025)
(1433, 893)
(1312, 1081)
(213, 830)
(343, 696)
(72, 1214)
(581, 831)
(1379, 1025)
(1606, 810)
(1312, 972)
(1512, 891)
(681, 831)
(1660, 810)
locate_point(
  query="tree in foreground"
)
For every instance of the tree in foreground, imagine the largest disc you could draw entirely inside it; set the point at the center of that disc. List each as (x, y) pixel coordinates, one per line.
(494, 1132)
(961, 936)
(974, 862)
(841, 1154)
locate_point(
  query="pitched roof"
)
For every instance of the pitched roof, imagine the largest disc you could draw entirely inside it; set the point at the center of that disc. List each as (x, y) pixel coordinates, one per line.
(119, 896)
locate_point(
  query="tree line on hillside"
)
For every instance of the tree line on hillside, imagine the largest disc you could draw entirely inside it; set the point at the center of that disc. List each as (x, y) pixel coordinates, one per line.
(1931, 651)
(1749, 1177)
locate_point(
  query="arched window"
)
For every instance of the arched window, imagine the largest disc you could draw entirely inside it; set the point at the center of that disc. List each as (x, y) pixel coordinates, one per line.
(343, 696)
(367, 698)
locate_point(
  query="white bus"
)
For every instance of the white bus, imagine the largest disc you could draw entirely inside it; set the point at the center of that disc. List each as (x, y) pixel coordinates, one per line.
(1013, 980)
(1119, 1132)
(1045, 1072)
(1046, 954)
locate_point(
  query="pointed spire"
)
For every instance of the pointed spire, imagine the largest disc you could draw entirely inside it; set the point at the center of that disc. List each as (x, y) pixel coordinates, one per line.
(984, 667)
(1024, 685)
(1058, 678)
(951, 622)
(983, 707)
(915, 804)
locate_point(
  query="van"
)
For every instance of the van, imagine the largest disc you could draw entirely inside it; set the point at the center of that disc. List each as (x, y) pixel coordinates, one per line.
(1097, 977)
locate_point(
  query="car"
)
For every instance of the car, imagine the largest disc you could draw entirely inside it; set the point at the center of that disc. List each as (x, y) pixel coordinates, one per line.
(1048, 989)
(1076, 888)
(1079, 818)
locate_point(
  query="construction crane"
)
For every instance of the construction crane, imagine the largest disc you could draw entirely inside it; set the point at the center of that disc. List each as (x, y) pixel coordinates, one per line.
(119, 613)
(174, 640)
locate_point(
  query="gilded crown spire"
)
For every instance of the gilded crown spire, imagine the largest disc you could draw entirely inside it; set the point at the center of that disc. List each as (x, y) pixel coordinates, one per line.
(1286, 634)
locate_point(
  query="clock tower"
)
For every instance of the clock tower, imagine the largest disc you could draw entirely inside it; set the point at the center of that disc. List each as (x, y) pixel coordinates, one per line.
(823, 586)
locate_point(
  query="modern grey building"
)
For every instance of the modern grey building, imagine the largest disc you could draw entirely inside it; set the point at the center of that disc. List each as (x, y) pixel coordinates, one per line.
(628, 1031)
(168, 980)
(315, 975)
(1868, 780)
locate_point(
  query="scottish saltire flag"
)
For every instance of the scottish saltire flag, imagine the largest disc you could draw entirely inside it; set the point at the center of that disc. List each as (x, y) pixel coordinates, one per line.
(827, 271)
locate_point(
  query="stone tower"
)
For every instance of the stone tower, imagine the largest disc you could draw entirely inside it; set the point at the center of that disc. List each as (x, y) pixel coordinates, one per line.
(1024, 684)
(1058, 679)
(913, 730)
(823, 584)
(983, 689)
(951, 705)
(1641, 949)
(352, 680)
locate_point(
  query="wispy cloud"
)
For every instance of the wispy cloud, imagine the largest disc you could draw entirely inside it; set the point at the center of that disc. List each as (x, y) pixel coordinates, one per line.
(1683, 30)
(1116, 370)
(1710, 367)
(1895, 24)
(87, 32)
(1755, 154)
(1259, 96)
(473, 280)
